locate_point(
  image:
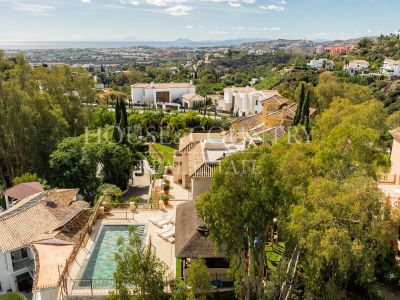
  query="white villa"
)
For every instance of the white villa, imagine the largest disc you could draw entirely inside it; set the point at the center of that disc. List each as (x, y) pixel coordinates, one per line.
(355, 66)
(321, 63)
(391, 67)
(245, 101)
(36, 238)
(164, 94)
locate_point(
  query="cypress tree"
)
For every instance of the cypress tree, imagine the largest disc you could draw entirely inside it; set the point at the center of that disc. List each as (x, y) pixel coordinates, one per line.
(116, 133)
(298, 115)
(306, 112)
(124, 120)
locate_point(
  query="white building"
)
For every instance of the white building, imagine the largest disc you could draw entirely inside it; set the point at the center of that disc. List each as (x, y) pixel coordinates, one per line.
(321, 63)
(391, 67)
(34, 245)
(165, 94)
(355, 66)
(245, 100)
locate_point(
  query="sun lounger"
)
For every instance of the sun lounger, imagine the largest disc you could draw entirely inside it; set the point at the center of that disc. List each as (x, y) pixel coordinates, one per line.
(166, 221)
(157, 219)
(168, 235)
(166, 228)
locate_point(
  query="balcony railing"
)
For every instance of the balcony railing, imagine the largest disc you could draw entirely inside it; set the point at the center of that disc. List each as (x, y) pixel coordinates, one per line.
(23, 263)
(387, 178)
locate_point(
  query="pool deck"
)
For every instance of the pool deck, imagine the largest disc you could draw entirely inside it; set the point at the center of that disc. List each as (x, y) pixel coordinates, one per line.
(164, 250)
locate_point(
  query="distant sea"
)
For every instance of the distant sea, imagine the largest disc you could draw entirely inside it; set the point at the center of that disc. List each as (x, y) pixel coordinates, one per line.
(120, 44)
(65, 45)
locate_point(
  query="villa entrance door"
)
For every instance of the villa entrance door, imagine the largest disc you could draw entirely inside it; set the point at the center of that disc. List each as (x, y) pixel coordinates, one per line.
(162, 97)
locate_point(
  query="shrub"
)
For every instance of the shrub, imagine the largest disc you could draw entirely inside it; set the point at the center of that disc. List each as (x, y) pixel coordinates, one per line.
(12, 296)
(112, 195)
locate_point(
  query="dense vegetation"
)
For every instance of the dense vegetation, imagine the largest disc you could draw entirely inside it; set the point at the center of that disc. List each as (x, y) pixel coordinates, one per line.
(38, 108)
(324, 195)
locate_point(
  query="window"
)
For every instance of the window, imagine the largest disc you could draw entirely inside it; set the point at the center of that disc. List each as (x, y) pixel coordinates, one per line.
(1, 288)
(256, 102)
(24, 253)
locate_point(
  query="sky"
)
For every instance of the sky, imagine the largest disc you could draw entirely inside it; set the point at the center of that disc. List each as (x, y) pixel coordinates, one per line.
(162, 20)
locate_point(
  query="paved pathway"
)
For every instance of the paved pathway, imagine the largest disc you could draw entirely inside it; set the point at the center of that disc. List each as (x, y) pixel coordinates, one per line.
(140, 186)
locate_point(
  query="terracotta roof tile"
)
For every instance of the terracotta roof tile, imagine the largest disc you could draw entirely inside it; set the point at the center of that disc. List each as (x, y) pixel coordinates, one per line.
(24, 190)
(38, 218)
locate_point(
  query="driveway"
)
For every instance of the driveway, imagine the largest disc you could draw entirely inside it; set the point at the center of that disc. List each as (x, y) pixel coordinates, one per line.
(140, 186)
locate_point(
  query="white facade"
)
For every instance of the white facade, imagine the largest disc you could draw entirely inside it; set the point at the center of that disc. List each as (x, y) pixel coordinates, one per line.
(153, 93)
(319, 63)
(13, 264)
(391, 67)
(355, 66)
(245, 101)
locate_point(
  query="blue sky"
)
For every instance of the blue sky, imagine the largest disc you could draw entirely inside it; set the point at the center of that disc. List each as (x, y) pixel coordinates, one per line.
(102, 20)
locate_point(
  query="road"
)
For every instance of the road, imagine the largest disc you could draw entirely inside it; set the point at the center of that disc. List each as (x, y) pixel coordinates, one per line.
(139, 187)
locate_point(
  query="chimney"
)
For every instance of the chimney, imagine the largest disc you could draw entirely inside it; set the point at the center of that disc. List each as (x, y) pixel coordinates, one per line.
(191, 82)
(152, 84)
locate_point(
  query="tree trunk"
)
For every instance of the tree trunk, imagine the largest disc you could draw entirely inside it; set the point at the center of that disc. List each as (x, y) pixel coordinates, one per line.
(245, 276)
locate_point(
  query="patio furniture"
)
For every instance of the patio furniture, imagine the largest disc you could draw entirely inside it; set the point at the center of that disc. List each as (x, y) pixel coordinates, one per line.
(167, 235)
(166, 228)
(157, 219)
(166, 221)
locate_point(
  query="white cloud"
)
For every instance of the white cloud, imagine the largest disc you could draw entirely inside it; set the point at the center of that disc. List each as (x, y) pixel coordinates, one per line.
(189, 26)
(29, 8)
(179, 10)
(124, 2)
(234, 4)
(275, 28)
(273, 7)
(164, 2)
(86, 1)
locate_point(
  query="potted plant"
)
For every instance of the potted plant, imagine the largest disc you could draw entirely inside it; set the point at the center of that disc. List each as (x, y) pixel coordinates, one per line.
(166, 188)
(165, 199)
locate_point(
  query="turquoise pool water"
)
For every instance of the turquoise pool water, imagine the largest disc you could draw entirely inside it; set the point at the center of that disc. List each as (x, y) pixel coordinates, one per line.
(99, 271)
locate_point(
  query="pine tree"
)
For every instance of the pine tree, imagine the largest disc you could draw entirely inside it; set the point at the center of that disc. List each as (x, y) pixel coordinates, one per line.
(298, 115)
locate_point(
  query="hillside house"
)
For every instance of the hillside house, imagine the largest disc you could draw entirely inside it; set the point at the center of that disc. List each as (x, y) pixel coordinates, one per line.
(161, 94)
(356, 66)
(391, 67)
(321, 63)
(199, 156)
(273, 122)
(245, 100)
(36, 237)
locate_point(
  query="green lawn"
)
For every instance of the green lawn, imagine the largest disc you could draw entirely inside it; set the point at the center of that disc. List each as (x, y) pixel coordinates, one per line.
(166, 152)
(274, 255)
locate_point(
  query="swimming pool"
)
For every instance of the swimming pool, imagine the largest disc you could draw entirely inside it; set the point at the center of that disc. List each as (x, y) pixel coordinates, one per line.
(101, 266)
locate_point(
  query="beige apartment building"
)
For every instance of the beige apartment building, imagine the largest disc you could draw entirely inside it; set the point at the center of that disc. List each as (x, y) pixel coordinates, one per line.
(199, 155)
